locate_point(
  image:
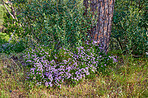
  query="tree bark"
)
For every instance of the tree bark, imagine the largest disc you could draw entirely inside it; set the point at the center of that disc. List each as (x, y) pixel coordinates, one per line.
(102, 31)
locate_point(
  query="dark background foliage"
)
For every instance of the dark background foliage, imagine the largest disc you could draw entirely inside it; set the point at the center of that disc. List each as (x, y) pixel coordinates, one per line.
(129, 30)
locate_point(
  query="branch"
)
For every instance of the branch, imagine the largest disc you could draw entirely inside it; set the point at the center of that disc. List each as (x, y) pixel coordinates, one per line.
(8, 10)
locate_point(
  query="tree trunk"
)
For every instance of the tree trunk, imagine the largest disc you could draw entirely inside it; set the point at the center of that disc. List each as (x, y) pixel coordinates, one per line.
(102, 31)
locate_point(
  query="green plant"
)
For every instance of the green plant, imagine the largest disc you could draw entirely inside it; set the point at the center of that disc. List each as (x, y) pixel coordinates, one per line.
(53, 67)
(47, 22)
(128, 30)
(16, 47)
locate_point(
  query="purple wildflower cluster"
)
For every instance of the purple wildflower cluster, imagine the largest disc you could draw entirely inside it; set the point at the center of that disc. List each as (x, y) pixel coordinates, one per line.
(54, 69)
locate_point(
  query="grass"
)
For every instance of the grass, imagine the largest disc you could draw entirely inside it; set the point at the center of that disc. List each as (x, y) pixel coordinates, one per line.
(127, 79)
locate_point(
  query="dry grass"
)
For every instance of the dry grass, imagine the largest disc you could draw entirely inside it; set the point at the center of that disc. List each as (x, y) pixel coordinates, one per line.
(126, 80)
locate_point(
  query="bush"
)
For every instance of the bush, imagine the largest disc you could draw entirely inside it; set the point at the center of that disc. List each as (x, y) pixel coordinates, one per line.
(16, 47)
(129, 31)
(53, 21)
(51, 67)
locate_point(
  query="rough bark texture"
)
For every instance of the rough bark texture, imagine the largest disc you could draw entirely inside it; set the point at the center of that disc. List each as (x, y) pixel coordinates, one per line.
(102, 31)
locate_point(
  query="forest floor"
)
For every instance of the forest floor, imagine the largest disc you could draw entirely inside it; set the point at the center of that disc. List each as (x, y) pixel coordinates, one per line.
(129, 78)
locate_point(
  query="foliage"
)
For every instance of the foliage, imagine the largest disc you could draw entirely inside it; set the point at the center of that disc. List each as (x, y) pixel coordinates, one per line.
(52, 67)
(51, 21)
(2, 11)
(130, 26)
(15, 47)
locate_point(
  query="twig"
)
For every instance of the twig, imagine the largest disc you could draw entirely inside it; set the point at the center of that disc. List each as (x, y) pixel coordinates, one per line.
(11, 36)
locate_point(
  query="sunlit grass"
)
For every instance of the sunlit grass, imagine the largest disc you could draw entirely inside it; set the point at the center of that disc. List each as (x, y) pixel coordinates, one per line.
(126, 80)
(3, 36)
(2, 11)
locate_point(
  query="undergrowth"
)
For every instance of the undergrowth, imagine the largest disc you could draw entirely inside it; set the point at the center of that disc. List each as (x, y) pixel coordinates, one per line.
(128, 79)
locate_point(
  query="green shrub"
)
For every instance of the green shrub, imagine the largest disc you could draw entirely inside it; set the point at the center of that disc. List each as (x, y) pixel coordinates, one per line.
(51, 21)
(129, 31)
(16, 47)
(53, 67)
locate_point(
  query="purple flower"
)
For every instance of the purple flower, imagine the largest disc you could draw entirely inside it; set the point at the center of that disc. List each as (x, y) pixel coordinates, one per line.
(29, 61)
(46, 84)
(32, 69)
(87, 73)
(115, 60)
(52, 62)
(100, 48)
(75, 63)
(65, 61)
(54, 72)
(81, 47)
(50, 84)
